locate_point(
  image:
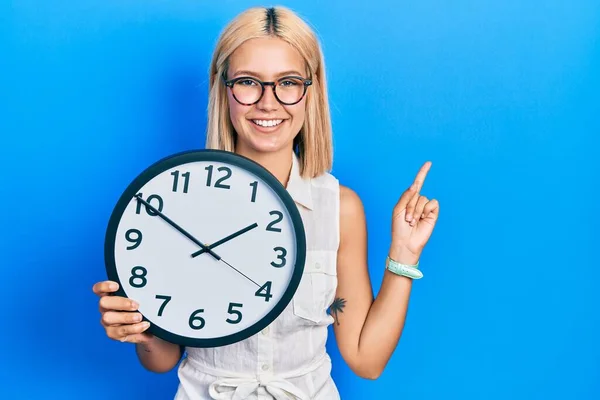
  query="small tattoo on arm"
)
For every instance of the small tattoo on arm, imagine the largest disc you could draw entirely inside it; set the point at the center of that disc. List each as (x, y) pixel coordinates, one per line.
(337, 305)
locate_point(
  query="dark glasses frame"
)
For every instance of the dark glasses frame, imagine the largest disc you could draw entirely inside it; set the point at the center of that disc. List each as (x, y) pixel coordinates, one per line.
(229, 83)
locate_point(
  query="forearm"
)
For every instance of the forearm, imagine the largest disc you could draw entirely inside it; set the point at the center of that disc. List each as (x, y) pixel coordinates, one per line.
(158, 355)
(385, 321)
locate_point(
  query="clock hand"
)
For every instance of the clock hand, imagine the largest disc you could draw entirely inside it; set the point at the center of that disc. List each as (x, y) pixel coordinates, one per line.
(226, 239)
(193, 239)
(241, 273)
(180, 229)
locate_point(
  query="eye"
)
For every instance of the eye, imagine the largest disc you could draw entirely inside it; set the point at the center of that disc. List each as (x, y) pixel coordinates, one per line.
(289, 82)
(246, 82)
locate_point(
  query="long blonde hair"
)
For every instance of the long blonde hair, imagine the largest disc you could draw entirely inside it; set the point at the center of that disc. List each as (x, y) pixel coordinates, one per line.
(314, 142)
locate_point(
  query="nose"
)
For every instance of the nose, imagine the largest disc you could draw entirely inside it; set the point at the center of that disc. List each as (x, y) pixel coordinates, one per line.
(268, 102)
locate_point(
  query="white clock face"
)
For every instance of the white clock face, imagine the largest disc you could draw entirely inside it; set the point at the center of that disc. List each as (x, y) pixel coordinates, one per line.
(248, 221)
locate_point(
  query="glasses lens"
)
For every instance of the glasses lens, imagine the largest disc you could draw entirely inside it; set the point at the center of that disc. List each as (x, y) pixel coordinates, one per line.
(247, 90)
(290, 90)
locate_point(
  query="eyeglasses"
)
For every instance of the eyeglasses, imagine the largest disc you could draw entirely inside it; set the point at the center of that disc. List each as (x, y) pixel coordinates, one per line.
(288, 90)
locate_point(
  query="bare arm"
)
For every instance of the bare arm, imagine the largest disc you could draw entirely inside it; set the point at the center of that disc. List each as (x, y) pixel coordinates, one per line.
(368, 330)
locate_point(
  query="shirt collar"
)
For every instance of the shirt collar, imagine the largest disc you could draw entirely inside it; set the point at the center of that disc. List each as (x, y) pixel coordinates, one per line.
(298, 187)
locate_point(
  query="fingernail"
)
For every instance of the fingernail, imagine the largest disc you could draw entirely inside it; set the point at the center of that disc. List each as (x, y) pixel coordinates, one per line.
(145, 324)
(409, 217)
(124, 339)
(137, 317)
(134, 305)
(113, 286)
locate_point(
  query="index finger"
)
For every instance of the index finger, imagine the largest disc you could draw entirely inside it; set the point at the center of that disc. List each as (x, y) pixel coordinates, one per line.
(420, 178)
(105, 287)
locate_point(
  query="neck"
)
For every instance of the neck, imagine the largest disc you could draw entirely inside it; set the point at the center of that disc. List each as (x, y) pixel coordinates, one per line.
(279, 163)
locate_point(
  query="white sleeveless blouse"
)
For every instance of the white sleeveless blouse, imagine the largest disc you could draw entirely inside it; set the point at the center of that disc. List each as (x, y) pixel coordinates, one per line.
(288, 359)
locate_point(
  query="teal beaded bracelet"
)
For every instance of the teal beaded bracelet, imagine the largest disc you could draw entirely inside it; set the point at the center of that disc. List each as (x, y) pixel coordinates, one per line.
(410, 271)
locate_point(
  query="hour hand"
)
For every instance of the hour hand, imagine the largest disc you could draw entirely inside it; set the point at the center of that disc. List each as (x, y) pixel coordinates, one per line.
(180, 229)
(225, 239)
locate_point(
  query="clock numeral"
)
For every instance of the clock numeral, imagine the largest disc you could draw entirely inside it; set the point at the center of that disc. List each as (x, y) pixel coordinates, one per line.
(162, 306)
(277, 219)
(186, 180)
(280, 257)
(254, 188)
(138, 273)
(159, 207)
(267, 291)
(137, 240)
(219, 183)
(236, 312)
(195, 318)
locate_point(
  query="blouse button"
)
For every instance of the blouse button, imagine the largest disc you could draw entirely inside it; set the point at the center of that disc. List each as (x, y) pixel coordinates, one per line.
(265, 331)
(318, 266)
(265, 367)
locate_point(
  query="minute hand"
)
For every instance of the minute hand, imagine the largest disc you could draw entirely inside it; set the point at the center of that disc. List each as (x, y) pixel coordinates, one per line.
(225, 239)
(180, 229)
(193, 239)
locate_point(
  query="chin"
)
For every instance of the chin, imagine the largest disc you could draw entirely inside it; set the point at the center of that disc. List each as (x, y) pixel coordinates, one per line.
(261, 147)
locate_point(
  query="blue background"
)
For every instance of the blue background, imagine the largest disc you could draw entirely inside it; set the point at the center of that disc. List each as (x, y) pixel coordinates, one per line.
(501, 96)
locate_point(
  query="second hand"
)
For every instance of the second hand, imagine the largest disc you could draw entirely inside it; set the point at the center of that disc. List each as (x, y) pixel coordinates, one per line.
(231, 266)
(193, 239)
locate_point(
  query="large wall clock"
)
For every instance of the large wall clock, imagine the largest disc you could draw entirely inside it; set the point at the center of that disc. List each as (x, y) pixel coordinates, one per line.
(209, 243)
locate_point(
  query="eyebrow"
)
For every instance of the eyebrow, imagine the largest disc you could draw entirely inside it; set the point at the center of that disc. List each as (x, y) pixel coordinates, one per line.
(284, 73)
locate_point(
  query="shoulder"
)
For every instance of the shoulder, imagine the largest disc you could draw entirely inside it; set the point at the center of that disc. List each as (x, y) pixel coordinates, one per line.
(349, 201)
(351, 205)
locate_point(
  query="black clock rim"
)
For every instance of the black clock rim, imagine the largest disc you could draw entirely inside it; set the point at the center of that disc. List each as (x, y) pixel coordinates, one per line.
(216, 156)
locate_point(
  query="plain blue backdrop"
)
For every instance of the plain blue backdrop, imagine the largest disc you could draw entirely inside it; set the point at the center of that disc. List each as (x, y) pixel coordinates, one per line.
(501, 96)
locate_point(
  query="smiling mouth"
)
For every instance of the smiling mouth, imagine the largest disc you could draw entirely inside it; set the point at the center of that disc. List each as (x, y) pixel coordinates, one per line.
(267, 123)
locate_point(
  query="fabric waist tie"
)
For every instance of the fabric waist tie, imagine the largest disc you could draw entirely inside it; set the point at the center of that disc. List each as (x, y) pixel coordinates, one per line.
(237, 386)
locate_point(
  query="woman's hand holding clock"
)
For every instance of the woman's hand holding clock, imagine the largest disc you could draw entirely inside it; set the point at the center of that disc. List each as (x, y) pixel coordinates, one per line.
(119, 315)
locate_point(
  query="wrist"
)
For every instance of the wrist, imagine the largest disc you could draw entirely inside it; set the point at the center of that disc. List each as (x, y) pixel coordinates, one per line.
(403, 256)
(408, 270)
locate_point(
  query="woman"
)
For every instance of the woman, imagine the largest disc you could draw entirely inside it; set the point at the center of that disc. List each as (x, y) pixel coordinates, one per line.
(268, 102)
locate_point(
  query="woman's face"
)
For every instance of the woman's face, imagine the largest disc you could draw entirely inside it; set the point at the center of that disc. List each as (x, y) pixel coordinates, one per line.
(267, 126)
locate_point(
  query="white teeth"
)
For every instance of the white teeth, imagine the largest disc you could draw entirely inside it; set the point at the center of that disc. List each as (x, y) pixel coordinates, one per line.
(267, 122)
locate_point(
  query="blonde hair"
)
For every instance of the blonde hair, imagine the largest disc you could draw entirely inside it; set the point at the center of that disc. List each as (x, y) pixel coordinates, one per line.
(313, 144)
